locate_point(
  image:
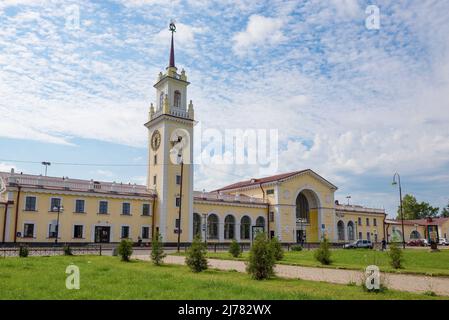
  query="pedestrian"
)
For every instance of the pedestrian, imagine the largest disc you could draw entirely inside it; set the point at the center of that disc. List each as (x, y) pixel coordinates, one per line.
(384, 244)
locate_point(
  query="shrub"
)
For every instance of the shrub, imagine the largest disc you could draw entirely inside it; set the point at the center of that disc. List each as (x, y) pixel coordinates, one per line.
(68, 251)
(234, 249)
(261, 258)
(157, 250)
(277, 248)
(395, 255)
(323, 253)
(296, 247)
(125, 249)
(23, 251)
(196, 255)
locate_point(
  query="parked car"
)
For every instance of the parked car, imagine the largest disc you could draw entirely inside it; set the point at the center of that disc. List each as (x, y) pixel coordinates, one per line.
(416, 243)
(359, 244)
(444, 242)
(426, 243)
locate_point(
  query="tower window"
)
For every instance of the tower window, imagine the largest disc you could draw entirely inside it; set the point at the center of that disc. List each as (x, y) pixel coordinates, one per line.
(155, 159)
(177, 99)
(161, 100)
(154, 179)
(178, 179)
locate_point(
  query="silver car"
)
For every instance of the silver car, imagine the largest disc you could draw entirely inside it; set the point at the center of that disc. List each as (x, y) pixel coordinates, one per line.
(359, 244)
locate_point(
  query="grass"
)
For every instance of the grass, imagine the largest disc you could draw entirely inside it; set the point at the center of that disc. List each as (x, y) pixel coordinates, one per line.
(109, 278)
(416, 261)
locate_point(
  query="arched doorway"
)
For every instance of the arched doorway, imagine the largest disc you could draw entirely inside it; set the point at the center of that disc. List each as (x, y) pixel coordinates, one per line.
(351, 233)
(415, 235)
(341, 230)
(196, 224)
(229, 227)
(245, 228)
(307, 201)
(212, 226)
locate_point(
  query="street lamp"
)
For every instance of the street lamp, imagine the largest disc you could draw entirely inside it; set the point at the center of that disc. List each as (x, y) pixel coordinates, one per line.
(400, 204)
(46, 164)
(348, 197)
(59, 209)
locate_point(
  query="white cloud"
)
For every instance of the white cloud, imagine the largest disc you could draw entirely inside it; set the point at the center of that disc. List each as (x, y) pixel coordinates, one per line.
(260, 32)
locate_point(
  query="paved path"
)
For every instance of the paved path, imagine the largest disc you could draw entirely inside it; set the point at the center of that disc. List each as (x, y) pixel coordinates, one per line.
(411, 283)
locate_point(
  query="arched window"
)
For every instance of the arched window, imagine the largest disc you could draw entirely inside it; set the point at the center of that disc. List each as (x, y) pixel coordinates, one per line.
(351, 235)
(177, 99)
(229, 227)
(196, 224)
(260, 222)
(415, 235)
(161, 100)
(302, 208)
(212, 226)
(341, 231)
(245, 228)
(397, 236)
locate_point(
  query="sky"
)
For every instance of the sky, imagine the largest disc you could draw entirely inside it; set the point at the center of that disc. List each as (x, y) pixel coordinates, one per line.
(352, 103)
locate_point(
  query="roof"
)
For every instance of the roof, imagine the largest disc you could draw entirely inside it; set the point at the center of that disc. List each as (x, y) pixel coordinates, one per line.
(358, 208)
(275, 178)
(65, 183)
(236, 199)
(422, 222)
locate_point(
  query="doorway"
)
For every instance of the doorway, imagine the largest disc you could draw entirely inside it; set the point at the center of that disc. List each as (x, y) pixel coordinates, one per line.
(300, 236)
(102, 234)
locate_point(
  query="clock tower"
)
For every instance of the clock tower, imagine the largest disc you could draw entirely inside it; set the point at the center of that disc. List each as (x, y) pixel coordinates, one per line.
(170, 166)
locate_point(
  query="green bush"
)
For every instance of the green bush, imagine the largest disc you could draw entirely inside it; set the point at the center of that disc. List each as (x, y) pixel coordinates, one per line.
(234, 249)
(23, 251)
(68, 251)
(261, 258)
(323, 253)
(196, 255)
(395, 255)
(277, 248)
(157, 250)
(125, 249)
(296, 247)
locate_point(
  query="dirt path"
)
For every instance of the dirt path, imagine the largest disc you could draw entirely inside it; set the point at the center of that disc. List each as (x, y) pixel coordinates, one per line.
(411, 283)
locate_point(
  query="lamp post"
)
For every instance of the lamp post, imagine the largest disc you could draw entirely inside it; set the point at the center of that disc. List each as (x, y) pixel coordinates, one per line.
(46, 164)
(400, 204)
(59, 209)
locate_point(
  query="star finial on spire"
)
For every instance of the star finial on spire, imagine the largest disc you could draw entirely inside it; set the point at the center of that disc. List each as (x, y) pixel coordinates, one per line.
(172, 28)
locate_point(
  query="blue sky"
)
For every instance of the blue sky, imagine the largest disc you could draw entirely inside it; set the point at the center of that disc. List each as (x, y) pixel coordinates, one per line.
(353, 104)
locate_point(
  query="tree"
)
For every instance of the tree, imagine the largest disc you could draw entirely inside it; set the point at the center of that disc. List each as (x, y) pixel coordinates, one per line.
(196, 255)
(261, 258)
(323, 253)
(395, 255)
(445, 212)
(157, 250)
(412, 209)
(234, 249)
(125, 249)
(277, 248)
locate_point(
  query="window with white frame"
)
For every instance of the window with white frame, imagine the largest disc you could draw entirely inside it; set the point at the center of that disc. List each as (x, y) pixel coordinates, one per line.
(126, 209)
(28, 230)
(103, 207)
(55, 204)
(79, 206)
(78, 231)
(178, 179)
(125, 232)
(145, 232)
(146, 209)
(30, 203)
(53, 229)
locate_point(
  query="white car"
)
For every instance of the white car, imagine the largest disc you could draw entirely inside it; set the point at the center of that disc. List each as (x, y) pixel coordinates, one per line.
(426, 243)
(443, 242)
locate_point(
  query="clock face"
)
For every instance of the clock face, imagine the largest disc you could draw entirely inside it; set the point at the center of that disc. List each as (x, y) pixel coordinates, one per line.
(155, 140)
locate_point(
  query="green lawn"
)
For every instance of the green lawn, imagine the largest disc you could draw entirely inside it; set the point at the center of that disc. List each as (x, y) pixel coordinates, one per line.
(109, 278)
(415, 260)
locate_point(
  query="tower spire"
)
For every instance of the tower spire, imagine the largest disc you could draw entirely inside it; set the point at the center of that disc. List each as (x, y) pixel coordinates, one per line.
(171, 63)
